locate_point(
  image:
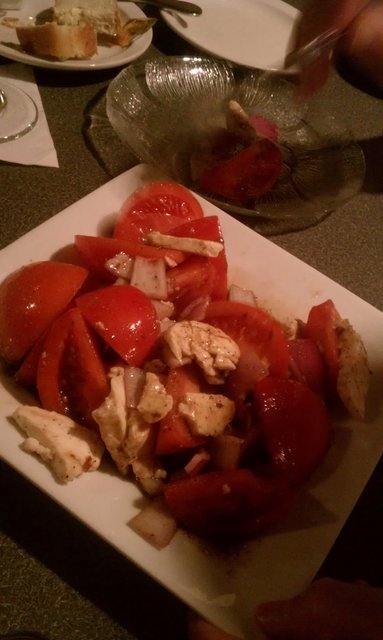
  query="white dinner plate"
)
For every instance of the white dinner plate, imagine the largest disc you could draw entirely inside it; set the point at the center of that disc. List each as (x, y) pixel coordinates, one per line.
(223, 588)
(253, 33)
(106, 57)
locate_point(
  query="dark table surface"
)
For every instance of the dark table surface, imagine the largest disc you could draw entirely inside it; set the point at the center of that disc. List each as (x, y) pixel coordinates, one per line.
(56, 576)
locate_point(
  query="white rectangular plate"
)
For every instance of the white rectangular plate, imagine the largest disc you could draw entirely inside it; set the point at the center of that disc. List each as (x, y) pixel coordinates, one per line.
(223, 588)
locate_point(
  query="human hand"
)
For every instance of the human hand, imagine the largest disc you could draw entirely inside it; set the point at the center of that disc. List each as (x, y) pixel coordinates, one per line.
(327, 609)
(361, 45)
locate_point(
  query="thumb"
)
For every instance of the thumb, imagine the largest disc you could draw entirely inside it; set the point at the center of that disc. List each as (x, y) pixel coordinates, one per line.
(200, 629)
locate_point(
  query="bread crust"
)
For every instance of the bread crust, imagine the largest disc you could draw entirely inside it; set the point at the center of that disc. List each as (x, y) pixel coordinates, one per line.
(58, 41)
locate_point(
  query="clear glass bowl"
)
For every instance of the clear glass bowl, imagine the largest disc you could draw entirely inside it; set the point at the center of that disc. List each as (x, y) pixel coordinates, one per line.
(161, 106)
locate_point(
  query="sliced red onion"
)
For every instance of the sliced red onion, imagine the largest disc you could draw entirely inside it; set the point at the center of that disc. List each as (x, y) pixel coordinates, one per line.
(155, 524)
(196, 310)
(226, 451)
(239, 294)
(134, 379)
(197, 462)
(121, 265)
(164, 308)
(150, 277)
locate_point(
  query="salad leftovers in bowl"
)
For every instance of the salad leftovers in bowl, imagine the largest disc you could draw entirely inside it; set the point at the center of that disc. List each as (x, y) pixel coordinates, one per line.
(237, 137)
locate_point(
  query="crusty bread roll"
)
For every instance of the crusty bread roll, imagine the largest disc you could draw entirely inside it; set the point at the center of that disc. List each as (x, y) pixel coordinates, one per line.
(58, 41)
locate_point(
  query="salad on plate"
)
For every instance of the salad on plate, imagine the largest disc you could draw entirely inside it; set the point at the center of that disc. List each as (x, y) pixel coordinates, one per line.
(140, 350)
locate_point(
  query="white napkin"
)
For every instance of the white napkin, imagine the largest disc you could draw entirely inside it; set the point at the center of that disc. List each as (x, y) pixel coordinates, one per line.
(36, 147)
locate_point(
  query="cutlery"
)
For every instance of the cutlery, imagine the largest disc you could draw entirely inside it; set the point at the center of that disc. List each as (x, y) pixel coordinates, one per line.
(176, 5)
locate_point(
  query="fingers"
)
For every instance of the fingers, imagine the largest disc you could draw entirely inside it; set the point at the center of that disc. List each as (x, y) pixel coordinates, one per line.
(199, 629)
(362, 46)
(328, 608)
(318, 17)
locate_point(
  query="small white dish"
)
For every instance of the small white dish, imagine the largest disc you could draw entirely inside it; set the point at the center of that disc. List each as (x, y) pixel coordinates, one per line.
(106, 57)
(253, 33)
(222, 587)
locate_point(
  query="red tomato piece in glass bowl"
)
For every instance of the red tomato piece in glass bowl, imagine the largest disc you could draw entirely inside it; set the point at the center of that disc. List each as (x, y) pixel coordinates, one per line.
(30, 299)
(296, 426)
(125, 318)
(71, 377)
(246, 175)
(157, 206)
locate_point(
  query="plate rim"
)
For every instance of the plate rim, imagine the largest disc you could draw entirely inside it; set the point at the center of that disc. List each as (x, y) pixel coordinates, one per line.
(220, 597)
(97, 64)
(180, 27)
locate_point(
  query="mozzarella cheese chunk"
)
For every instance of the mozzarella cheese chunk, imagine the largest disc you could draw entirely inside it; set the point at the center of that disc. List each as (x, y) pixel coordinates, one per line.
(154, 402)
(207, 414)
(67, 447)
(208, 248)
(354, 374)
(212, 349)
(129, 439)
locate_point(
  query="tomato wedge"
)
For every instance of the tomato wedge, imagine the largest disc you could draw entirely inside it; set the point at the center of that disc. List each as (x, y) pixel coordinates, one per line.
(174, 434)
(248, 174)
(227, 504)
(209, 228)
(30, 298)
(296, 426)
(71, 377)
(158, 206)
(125, 318)
(254, 330)
(96, 250)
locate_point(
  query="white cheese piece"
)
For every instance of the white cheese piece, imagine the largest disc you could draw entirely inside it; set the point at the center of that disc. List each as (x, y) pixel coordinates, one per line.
(354, 374)
(67, 447)
(212, 349)
(207, 414)
(154, 402)
(129, 439)
(208, 248)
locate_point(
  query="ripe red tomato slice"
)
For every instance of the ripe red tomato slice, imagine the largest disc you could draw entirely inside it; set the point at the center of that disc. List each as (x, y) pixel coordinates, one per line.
(194, 278)
(156, 206)
(321, 328)
(296, 426)
(227, 504)
(208, 228)
(26, 374)
(306, 363)
(71, 377)
(96, 250)
(248, 174)
(30, 298)
(174, 434)
(125, 318)
(254, 330)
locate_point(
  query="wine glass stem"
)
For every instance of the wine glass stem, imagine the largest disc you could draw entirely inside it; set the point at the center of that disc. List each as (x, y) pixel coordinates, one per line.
(3, 100)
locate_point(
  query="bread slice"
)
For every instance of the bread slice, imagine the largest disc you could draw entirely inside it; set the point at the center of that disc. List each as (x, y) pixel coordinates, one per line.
(58, 41)
(103, 15)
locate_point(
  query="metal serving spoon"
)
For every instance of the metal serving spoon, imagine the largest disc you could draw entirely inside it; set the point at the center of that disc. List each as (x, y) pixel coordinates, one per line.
(176, 5)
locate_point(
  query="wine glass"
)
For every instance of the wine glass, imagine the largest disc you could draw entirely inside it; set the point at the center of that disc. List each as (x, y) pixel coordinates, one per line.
(18, 112)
